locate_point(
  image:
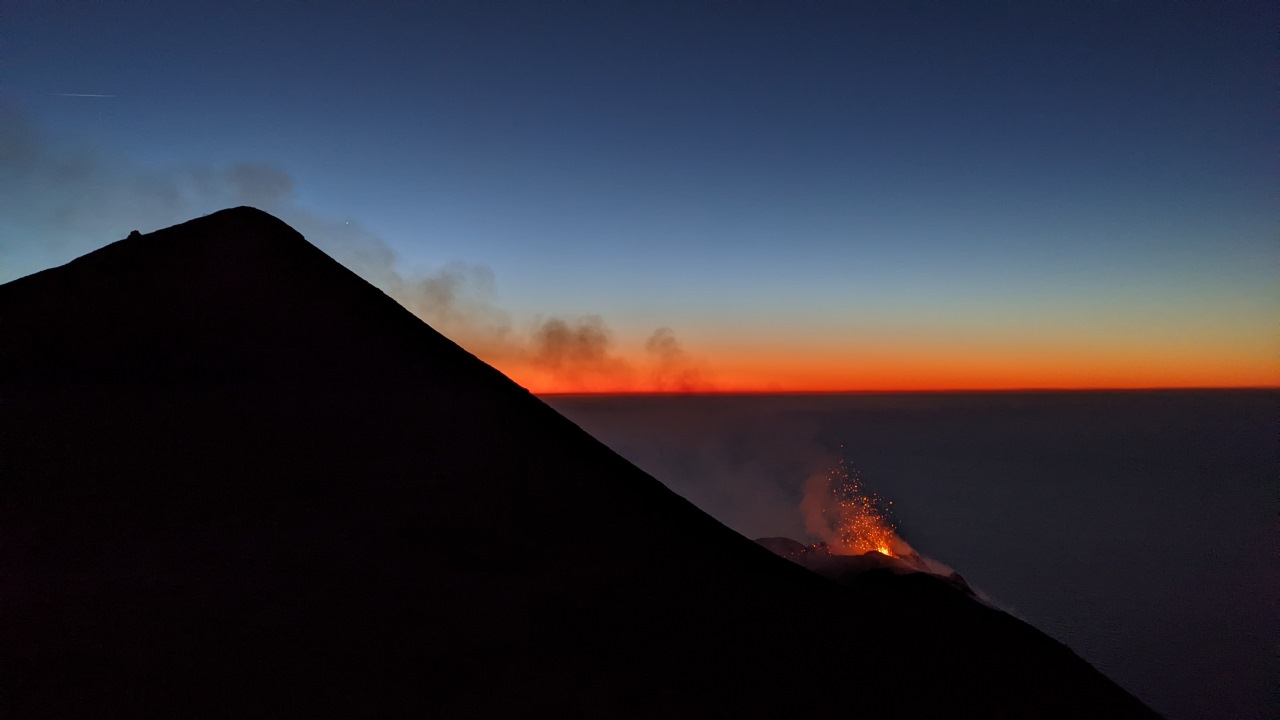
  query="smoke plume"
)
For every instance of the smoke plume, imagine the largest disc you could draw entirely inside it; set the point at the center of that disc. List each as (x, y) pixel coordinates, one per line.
(673, 371)
(59, 200)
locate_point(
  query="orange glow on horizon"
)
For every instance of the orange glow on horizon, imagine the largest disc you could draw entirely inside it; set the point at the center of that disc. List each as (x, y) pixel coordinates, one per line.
(909, 372)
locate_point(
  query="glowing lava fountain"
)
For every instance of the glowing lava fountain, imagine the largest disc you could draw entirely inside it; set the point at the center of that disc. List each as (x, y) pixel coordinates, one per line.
(858, 520)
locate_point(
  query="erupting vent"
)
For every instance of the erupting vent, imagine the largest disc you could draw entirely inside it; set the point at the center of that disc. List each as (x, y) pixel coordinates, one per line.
(860, 520)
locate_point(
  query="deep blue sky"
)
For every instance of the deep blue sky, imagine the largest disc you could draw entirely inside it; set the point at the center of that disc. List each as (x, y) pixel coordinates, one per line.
(1088, 184)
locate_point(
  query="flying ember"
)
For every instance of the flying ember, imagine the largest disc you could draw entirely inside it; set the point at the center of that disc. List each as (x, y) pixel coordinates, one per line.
(860, 520)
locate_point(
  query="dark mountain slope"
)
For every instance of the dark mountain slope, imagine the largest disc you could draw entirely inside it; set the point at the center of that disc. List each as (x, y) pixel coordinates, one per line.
(240, 481)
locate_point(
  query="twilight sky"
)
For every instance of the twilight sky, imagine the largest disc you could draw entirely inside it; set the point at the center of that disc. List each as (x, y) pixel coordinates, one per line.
(683, 195)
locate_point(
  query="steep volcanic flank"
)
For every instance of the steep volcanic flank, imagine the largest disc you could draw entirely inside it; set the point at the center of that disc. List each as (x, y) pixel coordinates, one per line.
(241, 482)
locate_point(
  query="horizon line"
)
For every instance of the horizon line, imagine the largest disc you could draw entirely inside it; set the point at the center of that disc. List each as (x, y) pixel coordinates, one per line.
(948, 391)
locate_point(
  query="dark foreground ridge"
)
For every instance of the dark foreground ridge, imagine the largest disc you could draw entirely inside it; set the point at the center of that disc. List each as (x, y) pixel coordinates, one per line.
(239, 481)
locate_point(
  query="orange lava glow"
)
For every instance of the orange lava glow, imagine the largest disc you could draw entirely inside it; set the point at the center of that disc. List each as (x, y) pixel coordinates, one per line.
(848, 516)
(859, 518)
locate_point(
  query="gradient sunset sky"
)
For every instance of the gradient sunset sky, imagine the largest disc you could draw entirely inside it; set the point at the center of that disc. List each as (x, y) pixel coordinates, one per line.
(799, 196)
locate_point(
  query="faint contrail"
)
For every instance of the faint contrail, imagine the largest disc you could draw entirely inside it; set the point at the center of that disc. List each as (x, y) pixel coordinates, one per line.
(81, 95)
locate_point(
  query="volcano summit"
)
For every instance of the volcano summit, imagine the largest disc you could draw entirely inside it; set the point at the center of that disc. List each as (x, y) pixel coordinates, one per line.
(239, 481)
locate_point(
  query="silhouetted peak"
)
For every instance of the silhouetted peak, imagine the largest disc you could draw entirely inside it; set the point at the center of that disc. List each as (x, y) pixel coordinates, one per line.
(239, 478)
(242, 223)
(238, 235)
(236, 295)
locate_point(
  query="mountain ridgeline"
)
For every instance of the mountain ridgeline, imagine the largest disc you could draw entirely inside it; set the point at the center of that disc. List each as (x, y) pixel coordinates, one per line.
(239, 481)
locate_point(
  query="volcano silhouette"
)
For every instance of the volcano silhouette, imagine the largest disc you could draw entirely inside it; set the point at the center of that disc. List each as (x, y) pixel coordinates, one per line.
(239, 481)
